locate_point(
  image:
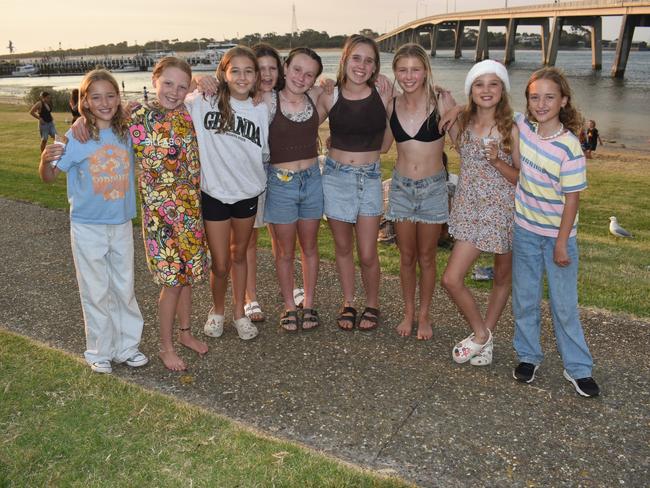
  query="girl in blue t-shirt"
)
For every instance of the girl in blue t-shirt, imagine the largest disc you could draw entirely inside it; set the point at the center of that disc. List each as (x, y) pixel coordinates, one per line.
(100, 184)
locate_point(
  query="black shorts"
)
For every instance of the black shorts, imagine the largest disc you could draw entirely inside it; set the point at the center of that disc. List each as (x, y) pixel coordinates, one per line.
(216, 210)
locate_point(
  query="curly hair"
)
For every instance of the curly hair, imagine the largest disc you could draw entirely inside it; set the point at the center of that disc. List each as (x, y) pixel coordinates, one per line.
(227, 116)
(120, 121)
(503, 117)
(570, 116)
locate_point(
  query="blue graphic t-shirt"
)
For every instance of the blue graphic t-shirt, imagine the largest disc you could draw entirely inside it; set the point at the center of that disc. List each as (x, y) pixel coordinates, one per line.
(100, 176)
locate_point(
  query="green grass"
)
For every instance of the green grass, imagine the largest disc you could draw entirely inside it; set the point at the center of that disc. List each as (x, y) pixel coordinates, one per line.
(614, 273)
(63, 425)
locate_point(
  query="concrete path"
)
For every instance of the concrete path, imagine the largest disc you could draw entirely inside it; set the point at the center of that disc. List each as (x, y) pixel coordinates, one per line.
(372, 398)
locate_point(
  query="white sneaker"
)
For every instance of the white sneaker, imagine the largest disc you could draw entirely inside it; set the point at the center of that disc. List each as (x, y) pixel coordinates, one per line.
(214, 325)
(102, 367)
(137, 360)
(245, 329)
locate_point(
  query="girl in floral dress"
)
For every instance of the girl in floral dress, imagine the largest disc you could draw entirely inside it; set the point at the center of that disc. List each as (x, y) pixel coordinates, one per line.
(165, 143)
(482, 214)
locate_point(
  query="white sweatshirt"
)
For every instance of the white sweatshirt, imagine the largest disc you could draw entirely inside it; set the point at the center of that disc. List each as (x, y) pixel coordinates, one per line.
(232, 166)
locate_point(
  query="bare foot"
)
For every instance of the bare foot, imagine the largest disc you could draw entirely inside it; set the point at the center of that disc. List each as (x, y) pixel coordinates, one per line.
(425, 331)
(171, 360)
(186, 338)
(405, 327)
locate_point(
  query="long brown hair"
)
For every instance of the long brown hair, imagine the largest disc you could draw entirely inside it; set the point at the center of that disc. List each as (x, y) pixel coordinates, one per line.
(570, 116)
(503, 117)
(352, 42)
(227, 116)
(119, 122)
(416, 51)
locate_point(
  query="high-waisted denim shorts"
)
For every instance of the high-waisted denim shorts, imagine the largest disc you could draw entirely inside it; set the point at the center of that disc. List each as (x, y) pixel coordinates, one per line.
(351, 191)
(424, 200)
(293, 195)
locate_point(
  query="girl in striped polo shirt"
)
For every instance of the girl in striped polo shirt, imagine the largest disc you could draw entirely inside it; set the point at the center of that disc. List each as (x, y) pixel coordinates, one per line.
(553, 173)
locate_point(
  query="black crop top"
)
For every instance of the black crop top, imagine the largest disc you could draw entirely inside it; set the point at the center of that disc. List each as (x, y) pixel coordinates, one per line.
(428, 130)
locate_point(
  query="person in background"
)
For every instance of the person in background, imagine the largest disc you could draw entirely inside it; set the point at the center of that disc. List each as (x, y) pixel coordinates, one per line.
(74, 105)
(592, 139)
(42, 111)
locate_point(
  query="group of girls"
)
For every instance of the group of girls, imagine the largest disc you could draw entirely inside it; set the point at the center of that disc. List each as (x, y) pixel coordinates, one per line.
(237, 136)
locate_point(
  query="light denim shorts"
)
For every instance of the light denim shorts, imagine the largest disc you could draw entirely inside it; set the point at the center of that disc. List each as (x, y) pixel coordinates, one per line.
(351, 191)
(424, 200)
(293, 195)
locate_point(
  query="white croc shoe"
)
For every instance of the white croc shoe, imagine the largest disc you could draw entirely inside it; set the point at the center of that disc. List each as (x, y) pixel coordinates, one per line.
(245, 328)
(483, 358)
(214, 325)
(467, 348)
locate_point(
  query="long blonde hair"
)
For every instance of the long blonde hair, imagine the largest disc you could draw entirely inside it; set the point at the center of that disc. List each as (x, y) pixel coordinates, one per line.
(570, 116)
(119, 122)
(416, 51)
(352, 42)
(503, 118)
(227, 116)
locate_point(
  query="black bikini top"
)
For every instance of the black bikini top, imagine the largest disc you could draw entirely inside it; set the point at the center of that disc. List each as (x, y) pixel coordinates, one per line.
(428, 130)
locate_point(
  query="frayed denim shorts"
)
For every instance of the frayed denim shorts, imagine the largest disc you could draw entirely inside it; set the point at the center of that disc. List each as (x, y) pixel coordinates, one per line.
(352, 191)
(424, 200)
(293, 195)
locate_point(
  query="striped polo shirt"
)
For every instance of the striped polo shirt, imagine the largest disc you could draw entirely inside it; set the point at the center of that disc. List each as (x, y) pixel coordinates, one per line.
(549, 169)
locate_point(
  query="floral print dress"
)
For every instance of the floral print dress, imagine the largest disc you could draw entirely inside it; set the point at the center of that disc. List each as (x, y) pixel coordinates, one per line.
(483, 209)
(165, 146)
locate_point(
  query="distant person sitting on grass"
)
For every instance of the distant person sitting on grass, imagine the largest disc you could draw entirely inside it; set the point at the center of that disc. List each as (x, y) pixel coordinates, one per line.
(592, 139)
(42, 110)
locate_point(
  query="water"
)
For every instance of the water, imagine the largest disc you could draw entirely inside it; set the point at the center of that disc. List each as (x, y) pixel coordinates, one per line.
(620, 107)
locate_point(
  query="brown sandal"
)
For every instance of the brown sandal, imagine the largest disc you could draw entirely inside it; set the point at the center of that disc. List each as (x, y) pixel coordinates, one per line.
(289, 319)
(347, 314)
(369, 315)
(309, 315)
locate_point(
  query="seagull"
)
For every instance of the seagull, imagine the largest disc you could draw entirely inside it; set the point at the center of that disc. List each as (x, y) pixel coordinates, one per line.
(616, 229)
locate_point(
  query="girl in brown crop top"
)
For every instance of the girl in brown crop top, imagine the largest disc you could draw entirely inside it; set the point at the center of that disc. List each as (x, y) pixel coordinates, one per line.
(414, 117)
(293, 142)
(357, 114)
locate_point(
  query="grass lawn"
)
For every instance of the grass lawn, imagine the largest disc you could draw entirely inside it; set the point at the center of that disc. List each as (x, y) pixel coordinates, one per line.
(614, 273)
(63, 425)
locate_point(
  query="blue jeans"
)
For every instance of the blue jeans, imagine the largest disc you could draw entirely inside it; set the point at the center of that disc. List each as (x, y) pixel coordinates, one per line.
(532, 255)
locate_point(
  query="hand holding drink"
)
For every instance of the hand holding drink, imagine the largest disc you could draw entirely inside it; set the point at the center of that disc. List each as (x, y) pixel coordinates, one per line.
(57, 149)
(489, 148)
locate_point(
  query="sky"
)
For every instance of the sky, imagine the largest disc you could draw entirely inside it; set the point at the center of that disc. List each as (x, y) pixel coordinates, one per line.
(43, 24)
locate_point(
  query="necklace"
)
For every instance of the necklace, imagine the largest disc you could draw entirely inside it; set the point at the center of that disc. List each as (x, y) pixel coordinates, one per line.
(282, 95)
(552, 136)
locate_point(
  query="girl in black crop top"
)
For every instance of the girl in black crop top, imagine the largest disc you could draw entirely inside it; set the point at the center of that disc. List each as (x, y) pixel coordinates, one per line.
(418, 200)
(357, 118)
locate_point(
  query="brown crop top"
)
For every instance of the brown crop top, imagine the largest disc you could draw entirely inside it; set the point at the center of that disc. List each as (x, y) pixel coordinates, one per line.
(358, 125)
(293, 141)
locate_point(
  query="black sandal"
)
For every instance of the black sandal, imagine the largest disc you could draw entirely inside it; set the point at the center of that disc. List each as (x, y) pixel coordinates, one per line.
(290, 318)
(369, 315)
(309, 315)
(347, 314)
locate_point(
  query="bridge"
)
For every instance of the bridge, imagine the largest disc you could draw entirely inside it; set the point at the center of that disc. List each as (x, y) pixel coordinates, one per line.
(551, 18)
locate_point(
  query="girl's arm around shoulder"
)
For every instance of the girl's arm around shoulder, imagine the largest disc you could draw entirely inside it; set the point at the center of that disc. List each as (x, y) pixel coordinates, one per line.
(388, 135)
(51, 153)
(385, 88)
(449, 112)
(324, 105)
